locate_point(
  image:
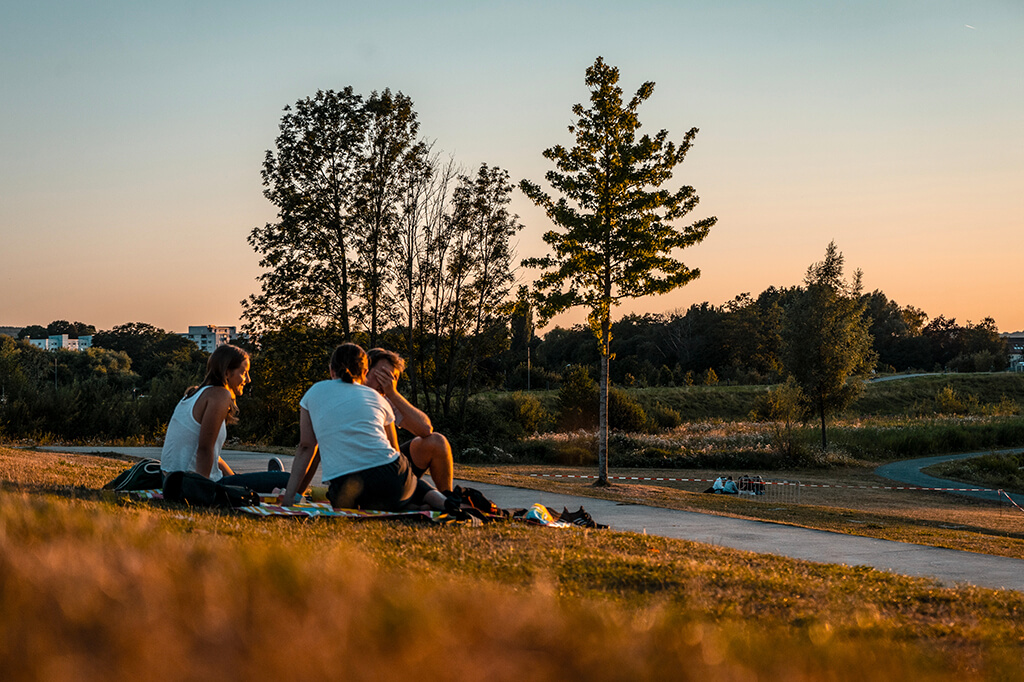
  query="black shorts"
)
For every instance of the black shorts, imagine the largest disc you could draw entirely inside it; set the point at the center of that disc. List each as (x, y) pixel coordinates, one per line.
(406, 449)
(389, 487)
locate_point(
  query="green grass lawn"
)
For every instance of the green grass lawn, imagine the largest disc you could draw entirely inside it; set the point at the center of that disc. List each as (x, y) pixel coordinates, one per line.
(96, 587)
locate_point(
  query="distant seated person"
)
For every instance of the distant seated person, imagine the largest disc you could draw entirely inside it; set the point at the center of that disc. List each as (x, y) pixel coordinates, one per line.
(723, 485)
(197, 430)
(428, 450)
(350, 429)
(751, 485)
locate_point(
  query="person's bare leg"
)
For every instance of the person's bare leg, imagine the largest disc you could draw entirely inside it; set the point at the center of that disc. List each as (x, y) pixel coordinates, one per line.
(434, 500)
(434, 454)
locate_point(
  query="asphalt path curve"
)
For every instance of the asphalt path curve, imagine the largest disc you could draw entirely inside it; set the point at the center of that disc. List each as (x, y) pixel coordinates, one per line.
(909, 471)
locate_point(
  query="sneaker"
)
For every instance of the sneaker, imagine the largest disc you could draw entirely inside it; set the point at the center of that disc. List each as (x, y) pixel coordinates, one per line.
(275, 464)
(579, 518)
(452, 502)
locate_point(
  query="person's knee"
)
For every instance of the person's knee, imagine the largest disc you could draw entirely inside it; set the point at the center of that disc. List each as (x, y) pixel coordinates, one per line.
(438, 443)
(428, 449)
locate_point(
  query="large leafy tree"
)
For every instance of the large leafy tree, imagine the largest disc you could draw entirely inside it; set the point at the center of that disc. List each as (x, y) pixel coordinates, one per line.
(339, 177)
(828, 348)
(310, 178)
(618, 235)
(74, 329)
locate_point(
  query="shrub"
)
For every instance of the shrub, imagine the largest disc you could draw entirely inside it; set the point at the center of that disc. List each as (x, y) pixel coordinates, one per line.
(948, 401)
(625, 413)
(665, 417)
(784, 406)
(485, 423)
(524, 413)
(577, 399)
(539, 379)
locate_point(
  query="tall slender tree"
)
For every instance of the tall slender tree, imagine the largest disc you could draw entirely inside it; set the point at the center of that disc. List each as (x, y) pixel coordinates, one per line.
(424, 198)
(490, 228)
(389, 153)
(618, 237)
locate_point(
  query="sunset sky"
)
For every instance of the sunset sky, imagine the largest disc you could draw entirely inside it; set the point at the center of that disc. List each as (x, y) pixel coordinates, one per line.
(132, 136)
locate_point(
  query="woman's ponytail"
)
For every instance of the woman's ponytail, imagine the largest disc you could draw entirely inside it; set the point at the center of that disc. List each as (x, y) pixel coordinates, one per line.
(349, 362)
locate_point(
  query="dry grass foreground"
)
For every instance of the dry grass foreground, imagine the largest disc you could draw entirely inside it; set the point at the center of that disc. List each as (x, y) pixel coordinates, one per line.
(95, 587)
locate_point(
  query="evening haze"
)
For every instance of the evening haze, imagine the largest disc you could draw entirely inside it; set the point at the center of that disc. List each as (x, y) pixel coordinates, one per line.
(133, 133)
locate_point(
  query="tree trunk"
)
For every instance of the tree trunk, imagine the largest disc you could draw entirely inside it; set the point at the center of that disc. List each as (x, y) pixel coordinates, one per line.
(345, 328)
(602, 426)
(602, 413)
(821, 411)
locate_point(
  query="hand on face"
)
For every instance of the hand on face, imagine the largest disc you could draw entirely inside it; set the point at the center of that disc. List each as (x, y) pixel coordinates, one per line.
(383, 378)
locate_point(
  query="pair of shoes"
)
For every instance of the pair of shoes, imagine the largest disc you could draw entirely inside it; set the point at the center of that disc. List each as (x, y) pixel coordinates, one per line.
(275, 464)
(579, 518)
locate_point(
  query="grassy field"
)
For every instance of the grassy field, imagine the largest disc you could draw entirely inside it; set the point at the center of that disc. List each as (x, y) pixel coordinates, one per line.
(96, 587)
(1000, 471)
(911, 396)
(714, 426)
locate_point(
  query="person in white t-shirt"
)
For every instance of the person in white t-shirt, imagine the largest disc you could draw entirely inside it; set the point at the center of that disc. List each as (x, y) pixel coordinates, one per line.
(349, 429)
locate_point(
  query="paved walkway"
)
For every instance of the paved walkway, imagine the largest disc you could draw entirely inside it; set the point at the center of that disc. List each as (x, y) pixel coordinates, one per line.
(909, 471)
(947, 566)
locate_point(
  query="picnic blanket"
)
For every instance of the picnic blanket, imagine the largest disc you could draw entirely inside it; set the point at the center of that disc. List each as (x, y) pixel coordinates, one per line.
(537, 515)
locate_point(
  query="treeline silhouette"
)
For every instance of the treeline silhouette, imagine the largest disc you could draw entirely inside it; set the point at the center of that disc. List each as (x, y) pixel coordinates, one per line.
(125, 387)
(741, 342)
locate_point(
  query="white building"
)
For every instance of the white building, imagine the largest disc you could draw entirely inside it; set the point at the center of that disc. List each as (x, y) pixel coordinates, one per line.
(1015, 344)
(208, 337)
(62, 341)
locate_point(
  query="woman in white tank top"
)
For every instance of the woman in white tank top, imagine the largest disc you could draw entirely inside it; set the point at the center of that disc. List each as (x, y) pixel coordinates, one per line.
(198, 427)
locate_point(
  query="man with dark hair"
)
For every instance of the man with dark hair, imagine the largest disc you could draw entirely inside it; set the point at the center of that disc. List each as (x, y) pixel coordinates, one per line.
(428, 450)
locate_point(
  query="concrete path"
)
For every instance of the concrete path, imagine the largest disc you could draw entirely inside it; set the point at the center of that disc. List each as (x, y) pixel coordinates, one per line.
(947, 566)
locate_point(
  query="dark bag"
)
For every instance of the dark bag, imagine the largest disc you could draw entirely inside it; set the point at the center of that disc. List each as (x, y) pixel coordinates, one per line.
(474, 499)
(199, 491)
(143, 475)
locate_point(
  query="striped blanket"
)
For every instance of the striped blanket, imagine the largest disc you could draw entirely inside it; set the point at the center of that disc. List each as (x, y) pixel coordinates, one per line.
(538, 514)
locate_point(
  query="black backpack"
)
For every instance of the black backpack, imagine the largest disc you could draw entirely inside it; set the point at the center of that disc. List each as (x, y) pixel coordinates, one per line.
(474, 499)
(199, 491)
(143, 475)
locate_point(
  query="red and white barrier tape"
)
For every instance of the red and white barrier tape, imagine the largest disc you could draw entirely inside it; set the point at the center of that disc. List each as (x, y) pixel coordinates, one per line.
(802, 485)
(1003, 493)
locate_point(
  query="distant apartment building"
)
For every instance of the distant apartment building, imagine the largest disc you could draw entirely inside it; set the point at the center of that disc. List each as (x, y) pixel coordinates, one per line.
(1015, 345)
(62, 341)
(209, 336)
